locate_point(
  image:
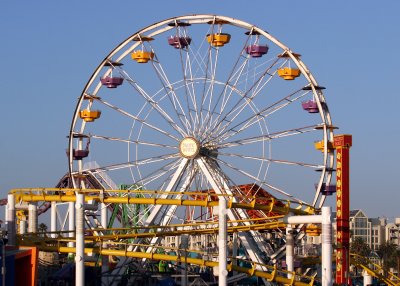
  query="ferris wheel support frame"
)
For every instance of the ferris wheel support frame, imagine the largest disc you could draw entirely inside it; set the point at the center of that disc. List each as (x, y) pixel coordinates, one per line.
(248, 240)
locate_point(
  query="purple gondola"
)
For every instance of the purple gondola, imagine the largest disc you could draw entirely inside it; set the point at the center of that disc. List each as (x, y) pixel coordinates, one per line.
(111, 82)
(179, 42)
(256, 51)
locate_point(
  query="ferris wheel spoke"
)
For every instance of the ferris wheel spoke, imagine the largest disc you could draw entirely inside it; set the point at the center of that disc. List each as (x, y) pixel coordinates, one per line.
(135, 163)
(231, 116)
(210, 126)
(235, 78)
(142, 121)
(208, 88)
(190, 94)
(205, 73)
(189, 56)
(261, 182)
(248, 96)
(285, 162)
(269, 137)
(255, 118)
(207, 66)
(156, 105)
(138, 142)
(171, 94)
(216, 106)
(159, 173)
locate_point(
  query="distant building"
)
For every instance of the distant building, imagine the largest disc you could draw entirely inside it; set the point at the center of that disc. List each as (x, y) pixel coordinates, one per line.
(374, 231)
(392, 232)
(378, 236)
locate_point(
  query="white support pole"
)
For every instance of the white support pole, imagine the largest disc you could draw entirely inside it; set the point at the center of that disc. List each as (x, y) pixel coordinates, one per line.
(325, 220)
(22, 227)
(184, 245)
(289, 250)
(222, 238)
(104, 216)
(80, 241)
(32, 218)
(104, 258)
(53, 219)
(326, 237)
(367, 278)
(71, 224)
(234, 249)
(11, 231)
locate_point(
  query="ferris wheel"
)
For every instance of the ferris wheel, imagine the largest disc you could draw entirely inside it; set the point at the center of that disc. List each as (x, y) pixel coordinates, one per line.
(203, 105)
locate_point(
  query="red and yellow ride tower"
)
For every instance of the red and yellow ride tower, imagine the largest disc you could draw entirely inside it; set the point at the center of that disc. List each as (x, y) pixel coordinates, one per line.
(342, 144)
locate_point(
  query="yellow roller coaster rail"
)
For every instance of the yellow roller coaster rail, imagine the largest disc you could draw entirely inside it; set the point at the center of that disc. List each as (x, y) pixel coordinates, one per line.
(374, 270)
(123, 197)
(271, 273)
(117, 234)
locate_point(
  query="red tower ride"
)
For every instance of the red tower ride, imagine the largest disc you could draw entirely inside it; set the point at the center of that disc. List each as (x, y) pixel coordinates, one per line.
(342, 144)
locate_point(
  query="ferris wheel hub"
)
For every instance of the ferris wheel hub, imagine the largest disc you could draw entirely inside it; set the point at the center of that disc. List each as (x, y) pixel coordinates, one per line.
(189, 147)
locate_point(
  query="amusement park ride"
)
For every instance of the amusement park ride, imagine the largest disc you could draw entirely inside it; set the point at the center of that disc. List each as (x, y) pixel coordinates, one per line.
(199, 129)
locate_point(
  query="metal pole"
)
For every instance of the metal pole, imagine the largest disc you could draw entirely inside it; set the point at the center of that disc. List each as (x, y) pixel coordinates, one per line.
(326, 238)
(222, 237)
(22, 227)
(32, 218)
(71, 225)
(104, 258)
(11, 231)
(289, 250)
(53, 219)
(104, 217)
(234, 250)
(80, 241)
(367, 278)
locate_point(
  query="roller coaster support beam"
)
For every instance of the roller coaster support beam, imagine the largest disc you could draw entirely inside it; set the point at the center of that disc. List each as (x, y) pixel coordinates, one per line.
(289, 250)
(325, 220)
(80, 240)
(10, 219)
(104, 215)
(22, 227)
(53, 219)
(32, 218)
(71, 223)
(104, 258)
(367, 278)
(222, 237)
(342, 144)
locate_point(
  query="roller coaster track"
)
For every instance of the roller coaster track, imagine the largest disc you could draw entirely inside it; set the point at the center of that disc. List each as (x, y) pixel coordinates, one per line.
(272, 208)
(121, 250)
(375, 270)
(110, 196)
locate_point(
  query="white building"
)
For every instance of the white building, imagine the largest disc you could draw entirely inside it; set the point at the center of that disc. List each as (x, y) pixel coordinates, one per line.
(374, 231)
(393, 232)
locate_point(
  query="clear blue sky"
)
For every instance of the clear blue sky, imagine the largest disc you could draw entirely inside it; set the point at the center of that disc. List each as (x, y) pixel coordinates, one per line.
(49, 49)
